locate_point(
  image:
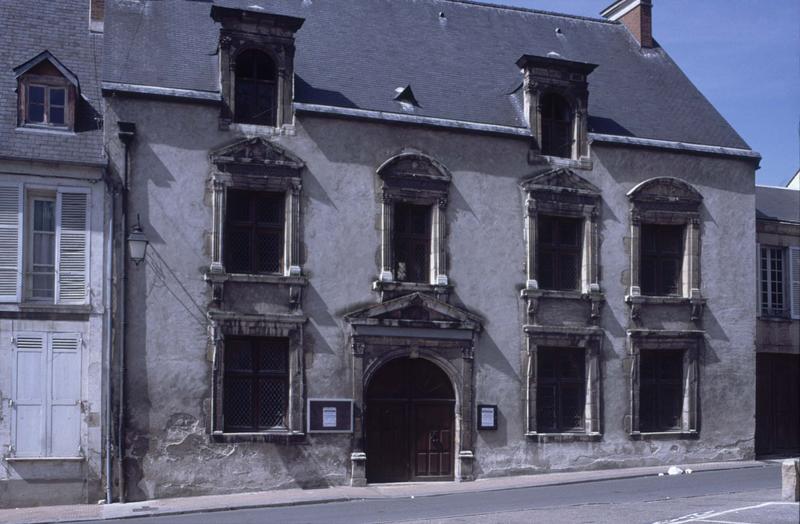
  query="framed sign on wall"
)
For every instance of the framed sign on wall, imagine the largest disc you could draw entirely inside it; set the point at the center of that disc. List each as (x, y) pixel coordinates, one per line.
(487, 416)
(334, 415)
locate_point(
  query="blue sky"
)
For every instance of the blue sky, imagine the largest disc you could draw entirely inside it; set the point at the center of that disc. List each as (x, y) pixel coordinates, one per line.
(744, 55)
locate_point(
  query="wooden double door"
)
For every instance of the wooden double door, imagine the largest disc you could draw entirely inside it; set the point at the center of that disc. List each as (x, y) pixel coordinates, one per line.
(410, 419)
(777, 404)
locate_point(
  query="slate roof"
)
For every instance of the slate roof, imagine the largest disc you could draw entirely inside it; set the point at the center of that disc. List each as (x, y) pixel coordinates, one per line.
(778, 203)
(28, 28)
(457, 56)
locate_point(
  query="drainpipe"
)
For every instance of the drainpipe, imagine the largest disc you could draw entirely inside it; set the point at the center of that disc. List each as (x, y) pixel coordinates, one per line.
(109, 339)
(127, 132)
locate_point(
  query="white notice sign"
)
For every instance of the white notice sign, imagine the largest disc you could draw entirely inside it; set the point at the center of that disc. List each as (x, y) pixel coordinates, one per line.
(328, 417)
(487, 417)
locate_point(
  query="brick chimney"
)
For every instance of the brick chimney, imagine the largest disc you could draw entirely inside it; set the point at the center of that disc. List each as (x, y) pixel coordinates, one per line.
(97, 10)
(637, 15)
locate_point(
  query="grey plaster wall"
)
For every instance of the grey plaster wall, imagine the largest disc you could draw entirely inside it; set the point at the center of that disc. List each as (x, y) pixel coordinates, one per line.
(169, 369)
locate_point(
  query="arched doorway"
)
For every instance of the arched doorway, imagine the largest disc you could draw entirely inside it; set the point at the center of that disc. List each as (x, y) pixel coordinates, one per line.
(410, 422)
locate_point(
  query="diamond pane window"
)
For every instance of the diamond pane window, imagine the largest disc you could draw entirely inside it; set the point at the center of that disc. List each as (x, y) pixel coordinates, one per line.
(560, 392)
(254, 232)
(256, 88)
(661, 390)
(256, 383)
(556, 126)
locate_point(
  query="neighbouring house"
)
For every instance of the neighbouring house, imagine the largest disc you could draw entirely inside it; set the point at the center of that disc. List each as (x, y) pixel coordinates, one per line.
(54, 255)
(778, 327)
(422, 240)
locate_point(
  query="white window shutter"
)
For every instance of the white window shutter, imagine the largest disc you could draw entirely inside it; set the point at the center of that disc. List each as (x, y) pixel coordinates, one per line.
(794, 280)
(64, 402)
(28, 395)
(10, 243)
(72, 249)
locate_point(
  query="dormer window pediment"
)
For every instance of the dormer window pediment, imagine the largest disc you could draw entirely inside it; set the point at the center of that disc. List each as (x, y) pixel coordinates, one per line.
(46, 93)
(556, 102)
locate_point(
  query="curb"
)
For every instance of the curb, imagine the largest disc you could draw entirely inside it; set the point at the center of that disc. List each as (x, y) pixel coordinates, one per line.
(610, 474)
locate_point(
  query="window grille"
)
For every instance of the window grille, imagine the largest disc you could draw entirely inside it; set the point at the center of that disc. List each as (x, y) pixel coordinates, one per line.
(773, 303)
(661, 259)
(560, 391)
(412, 242)
(559, 252)
(256, 383)
(254, 235)
(661, 390)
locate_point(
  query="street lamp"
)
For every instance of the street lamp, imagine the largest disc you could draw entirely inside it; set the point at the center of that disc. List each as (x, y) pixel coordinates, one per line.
(137, 243)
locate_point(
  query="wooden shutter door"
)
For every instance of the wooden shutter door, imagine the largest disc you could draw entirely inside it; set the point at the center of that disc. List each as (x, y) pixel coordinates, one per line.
(10, 242)
(794, 280)
(72, 248)
(29, 391)
(64, 420)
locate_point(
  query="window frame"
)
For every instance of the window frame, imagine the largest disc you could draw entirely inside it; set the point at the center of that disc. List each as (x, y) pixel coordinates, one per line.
(254, 375)
(416, 179)
(690, 343)
(589, 339)
(411, 239)
(47, 82)
(765, 309)
(255, 228)
(559, 250)
(274, 83)
(559, 382)
(659, 257)
(547, 127)
(666, 201)
(31, 197)
(227, 324)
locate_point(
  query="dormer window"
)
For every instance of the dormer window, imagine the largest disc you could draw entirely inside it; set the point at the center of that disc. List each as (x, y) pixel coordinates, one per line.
(556, 102)
(46, 92)
(256, 88)
(557, 126)
(256, 51)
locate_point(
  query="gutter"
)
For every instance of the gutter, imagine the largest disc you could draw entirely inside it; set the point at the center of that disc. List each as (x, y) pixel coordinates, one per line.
(109, 340)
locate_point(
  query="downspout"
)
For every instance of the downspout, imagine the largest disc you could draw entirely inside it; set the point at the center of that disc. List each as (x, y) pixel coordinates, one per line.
(127, 132)
(109, 339)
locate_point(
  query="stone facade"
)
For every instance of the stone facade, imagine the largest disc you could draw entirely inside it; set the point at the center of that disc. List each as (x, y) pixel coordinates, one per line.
(171, 448)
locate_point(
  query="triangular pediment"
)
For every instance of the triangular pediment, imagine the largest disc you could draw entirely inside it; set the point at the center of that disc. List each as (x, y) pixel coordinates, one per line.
(45, 60)
(559, 180)
(256, 152)
(415, 308)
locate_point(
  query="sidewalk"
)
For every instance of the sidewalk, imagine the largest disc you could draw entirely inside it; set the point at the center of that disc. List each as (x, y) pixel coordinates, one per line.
(289, 497)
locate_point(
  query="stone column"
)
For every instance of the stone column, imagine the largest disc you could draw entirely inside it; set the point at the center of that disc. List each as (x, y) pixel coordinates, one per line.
(292, 241)
(358, 459)
(439, 230)
(531, 386)
(790, 480)
(466, 456)
(531, 226)
(387, 217)
(218, 210)
(635, 289)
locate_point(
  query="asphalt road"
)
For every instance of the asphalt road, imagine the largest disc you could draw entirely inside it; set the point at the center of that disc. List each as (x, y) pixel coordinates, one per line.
(712, 496)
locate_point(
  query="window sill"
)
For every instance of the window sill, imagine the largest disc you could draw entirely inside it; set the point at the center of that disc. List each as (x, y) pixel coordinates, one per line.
(46, 130)
(293, 280)
(410, 287)
(262, 130)
(777, 320)
(559, 294)
(44, 459)
(275, 436)
(581, 163)
(55, 308)
(664, 435)
(650, 299)
(545, 438)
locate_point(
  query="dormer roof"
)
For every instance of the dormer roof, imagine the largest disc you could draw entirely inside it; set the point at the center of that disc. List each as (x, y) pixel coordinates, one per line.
(47, 56)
